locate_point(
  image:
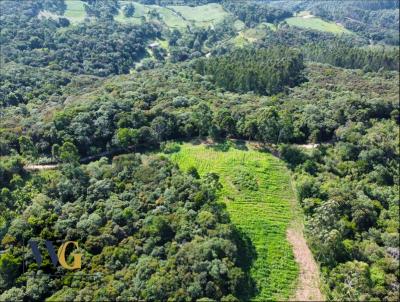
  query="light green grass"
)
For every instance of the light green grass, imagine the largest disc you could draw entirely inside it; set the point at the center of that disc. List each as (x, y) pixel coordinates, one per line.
(168, 16)
(263, 215)
(203, 15)
(240, 40)
(75, 11)
(163, 43)
(269, 25)
(172, 19)
(252, 35)
(239, 25)
(140, 10)
(317, 24)
(178, 17)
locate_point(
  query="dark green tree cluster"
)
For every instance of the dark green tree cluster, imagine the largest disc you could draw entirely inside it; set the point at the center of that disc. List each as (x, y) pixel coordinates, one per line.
(102, 9)
(129, 10)
(101, 47)
(263, 71)
(253, 13)
(375, 20)
(198, 41)
(350, 195)
(134, 112)
(345, 51)
(343, 55)
(147, 231)
(23, 84)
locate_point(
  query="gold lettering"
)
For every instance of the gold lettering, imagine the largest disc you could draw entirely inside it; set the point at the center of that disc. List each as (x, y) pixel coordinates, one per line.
(76, 264)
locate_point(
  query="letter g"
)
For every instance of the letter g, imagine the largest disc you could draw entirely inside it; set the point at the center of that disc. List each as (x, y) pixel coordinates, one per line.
(76, 264)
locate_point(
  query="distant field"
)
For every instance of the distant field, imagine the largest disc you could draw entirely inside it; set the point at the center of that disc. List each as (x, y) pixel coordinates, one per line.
(257, 193)
(178, 17)
(75, 11)
(317, 24)
(140, 10)
(170, 18)
(203, 15)
(252, 35)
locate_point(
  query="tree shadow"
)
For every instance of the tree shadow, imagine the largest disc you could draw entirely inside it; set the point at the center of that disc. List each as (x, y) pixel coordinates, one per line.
(246, 256)
(240, 145)
(222, 146)
(196, 141)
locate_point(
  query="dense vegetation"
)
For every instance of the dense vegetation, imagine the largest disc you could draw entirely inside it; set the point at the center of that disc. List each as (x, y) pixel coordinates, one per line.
(146, 231)
(346, 52)
(72, 92)
(350, 195)
(254, 13)
(376, 20)
(265, 72)
(98, 48)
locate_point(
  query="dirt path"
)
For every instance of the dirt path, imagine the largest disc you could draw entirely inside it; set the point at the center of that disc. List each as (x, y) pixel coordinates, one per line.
(308, 284)
(40, 167)
(308, 146)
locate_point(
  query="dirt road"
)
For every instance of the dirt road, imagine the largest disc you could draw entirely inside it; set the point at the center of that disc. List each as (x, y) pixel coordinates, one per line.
(308, 284)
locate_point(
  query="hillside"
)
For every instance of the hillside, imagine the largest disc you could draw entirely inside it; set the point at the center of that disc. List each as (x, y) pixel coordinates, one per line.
(256, 191)
(306, 20)
(199, 150)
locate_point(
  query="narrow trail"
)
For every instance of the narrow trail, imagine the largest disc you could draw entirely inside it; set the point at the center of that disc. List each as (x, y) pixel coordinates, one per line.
(31, 167)
(308, 285)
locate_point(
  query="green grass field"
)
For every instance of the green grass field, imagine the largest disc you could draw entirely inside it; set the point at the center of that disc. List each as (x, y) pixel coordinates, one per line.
(258, 195)
(178, 17)
(169, 17)
(316, 23)
(252, 35)
(75, 11)
(202, 16)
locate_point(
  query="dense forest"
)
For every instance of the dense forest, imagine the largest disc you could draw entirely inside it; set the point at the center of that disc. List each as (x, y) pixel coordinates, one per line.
(265, 72)
(376, 20)
(254, 13)
(147, 231)
(99, 100)
(81, 49)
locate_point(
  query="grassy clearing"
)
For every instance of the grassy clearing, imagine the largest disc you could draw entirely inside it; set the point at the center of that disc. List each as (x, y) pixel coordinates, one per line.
(252, 35)
(75, 11)
(178, 17)
(203, 15)
(171, 18)
(140, 10)
(168, 16)
(257, 193)
(316, 23)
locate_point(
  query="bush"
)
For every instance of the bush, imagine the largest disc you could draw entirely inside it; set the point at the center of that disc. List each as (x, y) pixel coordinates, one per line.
(170, 147)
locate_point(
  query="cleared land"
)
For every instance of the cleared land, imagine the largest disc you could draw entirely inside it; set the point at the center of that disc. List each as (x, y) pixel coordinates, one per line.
(75, 11)
(315, 23)
(258, 196)
(178, 17)
(203, 15)
(170, 18)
